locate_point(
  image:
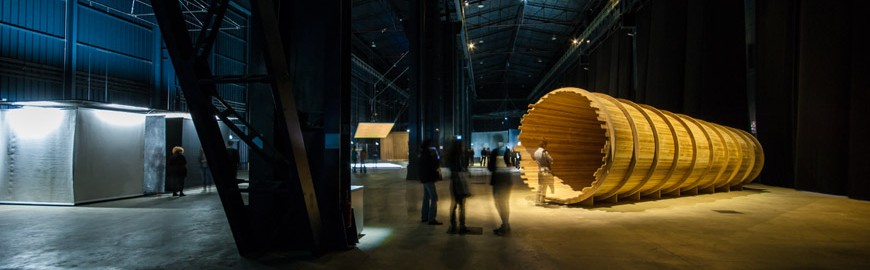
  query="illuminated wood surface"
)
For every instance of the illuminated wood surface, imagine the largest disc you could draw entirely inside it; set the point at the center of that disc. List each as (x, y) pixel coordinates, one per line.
(608, 149)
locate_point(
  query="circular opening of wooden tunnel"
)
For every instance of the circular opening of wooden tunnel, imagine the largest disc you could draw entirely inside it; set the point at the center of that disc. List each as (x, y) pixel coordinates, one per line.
(612, 149)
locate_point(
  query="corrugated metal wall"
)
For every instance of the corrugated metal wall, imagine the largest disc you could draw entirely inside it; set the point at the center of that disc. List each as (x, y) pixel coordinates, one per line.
(106, 51)
(31, 49)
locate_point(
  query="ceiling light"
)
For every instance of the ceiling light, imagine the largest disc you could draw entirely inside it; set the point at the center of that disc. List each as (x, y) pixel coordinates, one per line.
(587, 41)
(466, 3)
(540, 61)
(373, 45)
(471, 45)
(480, 41)
(574, 41)
(481, 62)
(480, 5)
(554, 37)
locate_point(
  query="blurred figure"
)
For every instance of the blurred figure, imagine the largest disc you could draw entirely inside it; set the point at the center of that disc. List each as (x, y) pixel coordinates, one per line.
(354, 158)
(545, 176)
(484, 156)
(233, 154)
(429, 173)
(499, 165)
(176, 171)
(458, 187)
(206, 173)
(363, 155)
(470, 155)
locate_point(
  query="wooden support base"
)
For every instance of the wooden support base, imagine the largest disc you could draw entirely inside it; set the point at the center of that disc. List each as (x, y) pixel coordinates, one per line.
(656, 195)
(587, 202)
(707, 190)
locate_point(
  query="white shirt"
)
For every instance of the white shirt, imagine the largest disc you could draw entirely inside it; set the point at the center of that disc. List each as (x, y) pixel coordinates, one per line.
(543, 158)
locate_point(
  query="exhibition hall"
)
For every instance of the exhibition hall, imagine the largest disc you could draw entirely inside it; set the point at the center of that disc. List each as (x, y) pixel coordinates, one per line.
(443, 134)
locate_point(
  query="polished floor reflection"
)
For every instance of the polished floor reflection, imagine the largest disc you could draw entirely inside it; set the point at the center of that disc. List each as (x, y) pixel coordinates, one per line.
(761, 227)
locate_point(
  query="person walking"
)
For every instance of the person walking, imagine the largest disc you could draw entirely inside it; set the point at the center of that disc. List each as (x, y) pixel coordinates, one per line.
(176, 171)
(429, 173)
(458, 187)
(499, 165)
(545, 175)
(204, 171)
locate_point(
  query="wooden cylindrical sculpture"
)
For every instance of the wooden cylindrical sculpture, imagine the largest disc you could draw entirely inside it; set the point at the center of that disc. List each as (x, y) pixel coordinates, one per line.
(608, 149)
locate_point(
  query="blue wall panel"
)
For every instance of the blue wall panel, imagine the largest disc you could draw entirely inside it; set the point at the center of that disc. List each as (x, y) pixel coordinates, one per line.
(31, 49)
(43, 16)
(114, 34)
(112, 58)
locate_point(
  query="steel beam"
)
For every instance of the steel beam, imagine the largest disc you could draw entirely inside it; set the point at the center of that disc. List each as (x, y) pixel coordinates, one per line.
(276, 64)
(189, 69)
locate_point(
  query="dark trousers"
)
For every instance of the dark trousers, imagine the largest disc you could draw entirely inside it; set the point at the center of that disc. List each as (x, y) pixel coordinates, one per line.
(501, 195)
(458, 205)
(177, 183)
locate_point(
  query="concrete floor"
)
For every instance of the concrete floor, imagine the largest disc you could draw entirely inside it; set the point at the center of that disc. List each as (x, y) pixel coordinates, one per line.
(761, 227)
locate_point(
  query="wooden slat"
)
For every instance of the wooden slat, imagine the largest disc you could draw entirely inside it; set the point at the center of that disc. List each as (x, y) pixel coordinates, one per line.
(610, 149)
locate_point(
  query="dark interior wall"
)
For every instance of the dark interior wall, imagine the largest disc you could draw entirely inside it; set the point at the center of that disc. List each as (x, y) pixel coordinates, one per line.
(812, 94)
(690, 58)
(610, 66)
(777, 87)
(830, 83)
(661, 53)
(823, 83)
(859, 95)
(715, 88)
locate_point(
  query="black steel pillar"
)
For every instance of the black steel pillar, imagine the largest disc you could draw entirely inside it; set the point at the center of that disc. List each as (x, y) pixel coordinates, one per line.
(299, 197)
(426, 110)
(190, 69)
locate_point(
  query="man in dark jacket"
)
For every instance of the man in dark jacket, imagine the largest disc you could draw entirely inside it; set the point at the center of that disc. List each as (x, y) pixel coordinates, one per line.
(429, 173)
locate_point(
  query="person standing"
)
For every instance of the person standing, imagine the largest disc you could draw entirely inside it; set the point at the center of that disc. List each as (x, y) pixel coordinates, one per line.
(458, 187)
(470, 156)
(206, 173)
(545, 175)
(176, 171)
(484, 155)
(363, 155)
(499, 165)
(353, 159)
(429, 173)
(233, 154)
